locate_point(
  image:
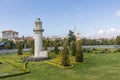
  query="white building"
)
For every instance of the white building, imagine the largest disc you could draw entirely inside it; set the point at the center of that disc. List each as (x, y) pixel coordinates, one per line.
(9, 34)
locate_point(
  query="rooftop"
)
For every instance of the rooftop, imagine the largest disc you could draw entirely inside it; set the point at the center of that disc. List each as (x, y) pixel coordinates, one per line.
(9, 31)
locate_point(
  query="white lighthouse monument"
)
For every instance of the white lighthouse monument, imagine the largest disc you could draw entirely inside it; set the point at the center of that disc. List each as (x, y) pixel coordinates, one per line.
(38, 43)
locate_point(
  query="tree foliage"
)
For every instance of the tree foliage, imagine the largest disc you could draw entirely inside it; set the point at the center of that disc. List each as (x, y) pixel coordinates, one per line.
(79, 53)
(56, 50)
(118, 40)
(71, 37)
(46, 43)
(65, 55)
(73, 48)
(7, 46)
(20, 47)
(87, 41)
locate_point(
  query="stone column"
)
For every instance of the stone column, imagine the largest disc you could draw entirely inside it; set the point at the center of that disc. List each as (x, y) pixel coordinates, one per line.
(38, 37)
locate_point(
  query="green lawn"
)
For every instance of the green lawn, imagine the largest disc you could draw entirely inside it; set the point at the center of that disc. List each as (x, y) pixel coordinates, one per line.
(97, 67)
(7, 69)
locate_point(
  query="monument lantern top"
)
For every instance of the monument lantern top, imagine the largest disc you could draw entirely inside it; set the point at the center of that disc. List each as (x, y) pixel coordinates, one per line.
(38, 20)
(38, 25)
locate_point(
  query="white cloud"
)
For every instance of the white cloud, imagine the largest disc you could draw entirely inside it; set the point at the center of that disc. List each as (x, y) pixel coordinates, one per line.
(109, 33)
(100, 31)
(111, 30)
(117, 13)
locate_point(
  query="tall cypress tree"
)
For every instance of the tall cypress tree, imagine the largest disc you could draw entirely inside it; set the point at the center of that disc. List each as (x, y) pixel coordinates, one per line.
(56, 50)
(71, 37)
(79, 53)
(73, 48)
(65, 55)
(20, 46)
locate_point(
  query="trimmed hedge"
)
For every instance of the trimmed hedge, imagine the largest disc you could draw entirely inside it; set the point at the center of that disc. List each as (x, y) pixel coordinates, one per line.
(33, 59)
(102, 51)
(24, 68)
(118, 50)
(10, 75)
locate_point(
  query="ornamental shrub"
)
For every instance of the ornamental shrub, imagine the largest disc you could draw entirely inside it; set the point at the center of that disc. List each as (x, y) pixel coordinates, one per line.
(65, 55)
(73, 48)
(20, 46)
(79, 53)
(56, 50)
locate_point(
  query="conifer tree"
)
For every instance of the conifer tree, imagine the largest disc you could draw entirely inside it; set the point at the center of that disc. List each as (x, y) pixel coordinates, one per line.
(65, 55)
(56, 51)
(79, 53)
(73, 48)
(71, 37)
(20, 46)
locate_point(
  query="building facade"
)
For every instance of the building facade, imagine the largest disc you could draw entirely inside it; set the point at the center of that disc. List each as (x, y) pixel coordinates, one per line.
(9, 34)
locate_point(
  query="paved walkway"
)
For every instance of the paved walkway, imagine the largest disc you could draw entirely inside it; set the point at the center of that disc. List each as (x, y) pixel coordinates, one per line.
(4, 51)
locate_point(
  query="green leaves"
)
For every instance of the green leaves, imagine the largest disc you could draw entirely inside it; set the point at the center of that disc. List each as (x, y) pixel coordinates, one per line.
(118, 40)
(65, 55)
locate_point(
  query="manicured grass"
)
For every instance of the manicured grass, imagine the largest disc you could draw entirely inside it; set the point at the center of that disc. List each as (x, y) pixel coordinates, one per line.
(12, 65)
(7, 69)
(97, 67)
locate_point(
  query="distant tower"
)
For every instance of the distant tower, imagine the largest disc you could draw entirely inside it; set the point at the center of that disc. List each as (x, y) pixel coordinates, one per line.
(38, 31)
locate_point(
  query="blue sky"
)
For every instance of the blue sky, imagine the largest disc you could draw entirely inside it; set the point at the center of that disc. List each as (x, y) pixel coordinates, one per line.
(93, 18)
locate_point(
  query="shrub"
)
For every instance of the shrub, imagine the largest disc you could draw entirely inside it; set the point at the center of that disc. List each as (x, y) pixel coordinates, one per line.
(87, 50)
(20, 48)
(56, 50)
(94, 49)
(79, 54)
(73, 48)
(118, 50)
(65, 55)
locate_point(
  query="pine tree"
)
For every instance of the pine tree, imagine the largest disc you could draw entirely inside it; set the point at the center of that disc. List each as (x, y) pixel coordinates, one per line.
(20, 46)
(56, 50)
(79, 53)
(65, 55)
(73, 48)
(71, 37)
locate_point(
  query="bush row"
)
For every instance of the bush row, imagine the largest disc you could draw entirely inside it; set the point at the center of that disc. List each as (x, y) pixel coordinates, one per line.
(94, 50)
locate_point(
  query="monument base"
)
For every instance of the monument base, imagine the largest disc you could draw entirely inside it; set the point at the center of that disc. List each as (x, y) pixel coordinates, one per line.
(42, 55)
